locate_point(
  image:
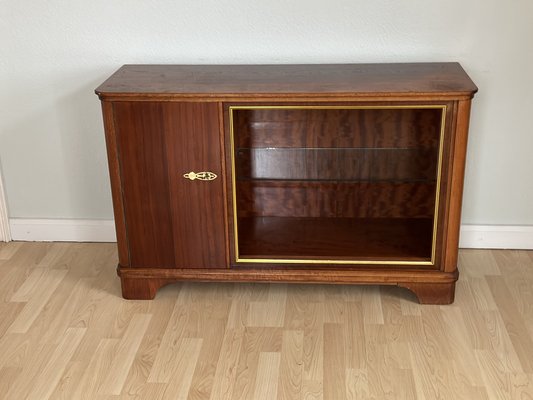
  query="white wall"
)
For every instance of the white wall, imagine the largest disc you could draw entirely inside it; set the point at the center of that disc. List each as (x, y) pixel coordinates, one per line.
(54, 53)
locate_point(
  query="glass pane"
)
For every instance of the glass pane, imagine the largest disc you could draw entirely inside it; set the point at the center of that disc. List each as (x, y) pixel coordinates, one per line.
(341, 184)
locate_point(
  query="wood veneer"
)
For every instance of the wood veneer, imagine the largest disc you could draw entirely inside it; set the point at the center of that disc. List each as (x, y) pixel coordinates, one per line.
(363, 239)
(343, 128)
(373, 175)
(391, 164)
(327, 199)
(171, 221)
(408, 80)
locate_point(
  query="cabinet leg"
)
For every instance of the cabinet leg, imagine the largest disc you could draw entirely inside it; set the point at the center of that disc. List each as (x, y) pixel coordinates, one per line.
(142, 289)
(432, 293)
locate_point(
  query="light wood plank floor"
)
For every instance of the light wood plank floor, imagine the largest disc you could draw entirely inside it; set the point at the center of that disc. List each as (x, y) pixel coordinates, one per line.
(65, 333)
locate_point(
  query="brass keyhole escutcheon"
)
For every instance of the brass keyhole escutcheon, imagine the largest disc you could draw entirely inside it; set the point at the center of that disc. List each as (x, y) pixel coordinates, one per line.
(201, 176)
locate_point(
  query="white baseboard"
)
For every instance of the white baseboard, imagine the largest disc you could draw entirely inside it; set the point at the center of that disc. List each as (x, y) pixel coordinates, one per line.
(62, 230)
(496, 237)
(83, 230)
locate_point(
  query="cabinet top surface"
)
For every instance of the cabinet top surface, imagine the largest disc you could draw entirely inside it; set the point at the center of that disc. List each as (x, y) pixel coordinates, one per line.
(406, 79)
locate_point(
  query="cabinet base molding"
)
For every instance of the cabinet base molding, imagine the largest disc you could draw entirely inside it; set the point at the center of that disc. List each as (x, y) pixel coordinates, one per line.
(142, 289)
(432, 293)
(430, 287)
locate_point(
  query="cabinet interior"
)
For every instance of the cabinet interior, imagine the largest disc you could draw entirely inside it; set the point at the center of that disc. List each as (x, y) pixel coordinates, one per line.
(336, 184)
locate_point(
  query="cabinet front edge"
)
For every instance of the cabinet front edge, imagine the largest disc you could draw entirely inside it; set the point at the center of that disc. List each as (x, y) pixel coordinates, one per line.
(248, 97)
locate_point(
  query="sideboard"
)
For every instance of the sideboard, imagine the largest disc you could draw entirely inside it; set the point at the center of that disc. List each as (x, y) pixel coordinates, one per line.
(347, 173)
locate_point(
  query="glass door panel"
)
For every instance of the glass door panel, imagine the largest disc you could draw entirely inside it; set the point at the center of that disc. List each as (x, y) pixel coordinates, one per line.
(336, 184)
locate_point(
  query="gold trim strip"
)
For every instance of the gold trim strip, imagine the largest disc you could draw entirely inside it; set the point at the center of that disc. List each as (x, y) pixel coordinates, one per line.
(315, 261)
(437, 189)
(443, 107)
(234, 186)
(340, 107)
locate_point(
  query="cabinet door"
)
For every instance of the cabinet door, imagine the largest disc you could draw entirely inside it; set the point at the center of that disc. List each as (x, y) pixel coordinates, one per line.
(171, 221)
(353, 184)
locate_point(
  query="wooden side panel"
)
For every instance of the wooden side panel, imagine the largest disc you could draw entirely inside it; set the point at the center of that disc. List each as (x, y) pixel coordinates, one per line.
(116, 184)
(457, 181)
(145, 186)
(193, 144)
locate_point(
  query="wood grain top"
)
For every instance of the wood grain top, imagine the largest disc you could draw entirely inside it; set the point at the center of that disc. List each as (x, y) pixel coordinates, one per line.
(228, 81)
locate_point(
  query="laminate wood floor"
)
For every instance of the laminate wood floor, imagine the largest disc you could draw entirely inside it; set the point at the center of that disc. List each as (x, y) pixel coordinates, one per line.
(65, 333)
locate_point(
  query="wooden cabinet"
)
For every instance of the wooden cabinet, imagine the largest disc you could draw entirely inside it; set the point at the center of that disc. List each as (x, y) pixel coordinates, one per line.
(293, 173)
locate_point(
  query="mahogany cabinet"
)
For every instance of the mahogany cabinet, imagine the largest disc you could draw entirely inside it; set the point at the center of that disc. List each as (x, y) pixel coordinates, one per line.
(348, 173)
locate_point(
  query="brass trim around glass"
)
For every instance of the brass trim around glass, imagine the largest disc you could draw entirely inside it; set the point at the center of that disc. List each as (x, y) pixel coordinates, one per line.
(201, 176)
(442, 107)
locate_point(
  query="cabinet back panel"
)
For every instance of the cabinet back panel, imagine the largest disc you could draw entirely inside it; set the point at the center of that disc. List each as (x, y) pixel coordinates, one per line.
(172, 221)
(335, 199)
(337, 164)
(377, 128)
